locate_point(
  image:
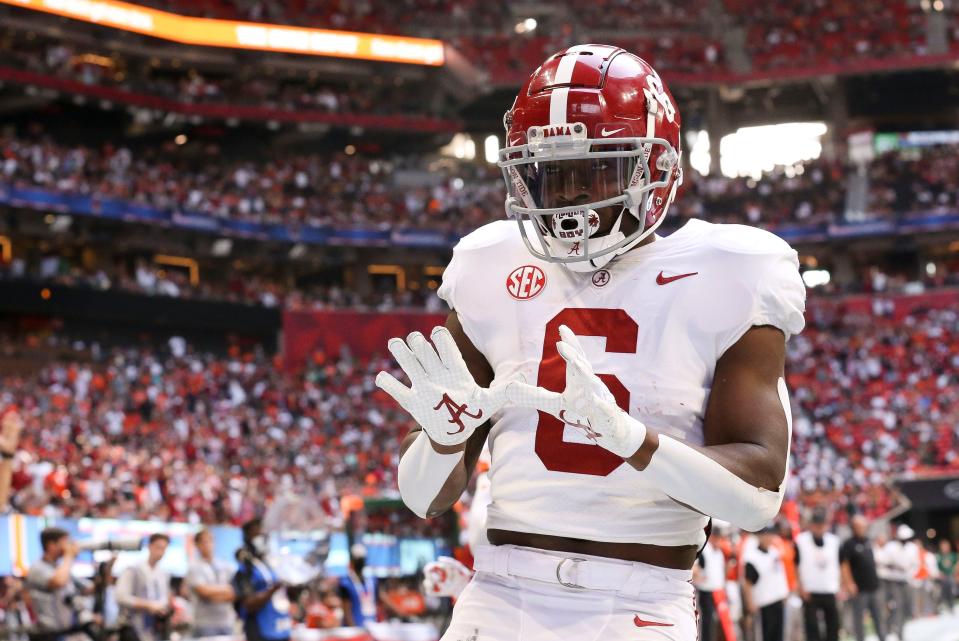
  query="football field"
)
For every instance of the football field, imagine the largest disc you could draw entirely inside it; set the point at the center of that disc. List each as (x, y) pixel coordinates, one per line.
(940, 628)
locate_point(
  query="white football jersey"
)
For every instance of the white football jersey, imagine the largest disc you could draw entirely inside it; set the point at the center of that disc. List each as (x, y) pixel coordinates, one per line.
(653, 324)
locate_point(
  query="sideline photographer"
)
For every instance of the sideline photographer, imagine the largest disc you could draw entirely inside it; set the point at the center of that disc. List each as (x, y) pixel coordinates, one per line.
(211, 591)
(143, 593)
(261, 596)
(53, 590)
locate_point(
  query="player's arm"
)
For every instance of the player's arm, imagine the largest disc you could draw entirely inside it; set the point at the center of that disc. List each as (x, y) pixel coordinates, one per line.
(738, 474)
(432, 474)
(848, 583)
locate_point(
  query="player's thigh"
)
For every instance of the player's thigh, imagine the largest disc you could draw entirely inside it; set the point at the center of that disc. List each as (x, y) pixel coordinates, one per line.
(489, 608)
(668, 616)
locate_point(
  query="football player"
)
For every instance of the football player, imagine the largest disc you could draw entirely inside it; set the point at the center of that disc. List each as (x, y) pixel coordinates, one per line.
(659, 398)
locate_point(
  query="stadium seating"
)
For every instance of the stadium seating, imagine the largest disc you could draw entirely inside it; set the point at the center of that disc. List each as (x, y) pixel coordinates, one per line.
(792, 34)
(874, 396)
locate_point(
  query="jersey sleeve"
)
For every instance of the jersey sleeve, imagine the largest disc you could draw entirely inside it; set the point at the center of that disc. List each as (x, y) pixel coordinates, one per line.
(467, 287)
(459, 298)
(769, 291)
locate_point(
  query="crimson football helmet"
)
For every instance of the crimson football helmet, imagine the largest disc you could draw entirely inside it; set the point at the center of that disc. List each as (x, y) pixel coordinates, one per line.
(593, 121)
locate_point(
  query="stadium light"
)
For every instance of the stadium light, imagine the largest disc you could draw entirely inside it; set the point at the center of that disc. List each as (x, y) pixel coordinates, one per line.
(209, 32)
(816, 277)
(699, 159)
(461, 146)
(751, 151)
(491, 148)
(526, 26)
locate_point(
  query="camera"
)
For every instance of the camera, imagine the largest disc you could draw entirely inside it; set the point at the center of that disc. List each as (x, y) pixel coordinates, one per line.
(127, 544)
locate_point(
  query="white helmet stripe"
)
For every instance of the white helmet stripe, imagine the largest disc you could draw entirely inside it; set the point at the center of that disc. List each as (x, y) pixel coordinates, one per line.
(564, 73)
(557, 105)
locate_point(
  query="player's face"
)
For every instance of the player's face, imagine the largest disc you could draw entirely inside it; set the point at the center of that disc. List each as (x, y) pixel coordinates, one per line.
(564, 183)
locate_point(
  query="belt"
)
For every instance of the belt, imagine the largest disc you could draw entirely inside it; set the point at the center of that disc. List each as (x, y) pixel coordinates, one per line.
(580, 572)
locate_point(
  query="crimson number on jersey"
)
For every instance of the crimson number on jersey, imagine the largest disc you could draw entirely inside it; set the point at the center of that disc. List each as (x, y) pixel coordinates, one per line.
(621, 333)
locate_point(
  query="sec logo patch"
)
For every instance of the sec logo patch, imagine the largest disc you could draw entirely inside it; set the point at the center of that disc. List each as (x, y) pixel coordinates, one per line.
(525, 282)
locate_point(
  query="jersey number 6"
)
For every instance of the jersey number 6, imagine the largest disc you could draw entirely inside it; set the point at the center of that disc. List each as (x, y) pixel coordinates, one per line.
(621, 333)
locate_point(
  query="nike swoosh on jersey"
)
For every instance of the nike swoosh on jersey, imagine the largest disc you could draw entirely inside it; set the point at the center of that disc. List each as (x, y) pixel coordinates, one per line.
(640, 623)
(605, 133)
(665, 280)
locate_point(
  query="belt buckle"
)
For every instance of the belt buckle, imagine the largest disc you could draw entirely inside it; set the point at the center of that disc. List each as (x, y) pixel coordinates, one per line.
(559, 572)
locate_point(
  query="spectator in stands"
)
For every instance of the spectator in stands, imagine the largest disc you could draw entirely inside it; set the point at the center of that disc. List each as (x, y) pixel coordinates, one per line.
(264, 607)
(211, 590)
(400, 600)
(860, 578)
(52, 588)
(143, 593)
(324, 607)
(817, 556)
(10, 427)
(765, 587)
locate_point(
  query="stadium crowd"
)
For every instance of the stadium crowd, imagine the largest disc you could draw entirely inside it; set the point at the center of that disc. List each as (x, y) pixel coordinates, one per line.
(108, 428)
(682, 39)
(178, 434)
(874, 396)
(826, 32)
(247, 85)
(807, 194)
(914, 181)
(791, 34)
(343, 190)
(333, 189)
(140, 277)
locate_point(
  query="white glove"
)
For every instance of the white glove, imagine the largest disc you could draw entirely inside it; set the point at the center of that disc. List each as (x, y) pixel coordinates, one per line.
(445, 577)
(586, 403)
(444, 398)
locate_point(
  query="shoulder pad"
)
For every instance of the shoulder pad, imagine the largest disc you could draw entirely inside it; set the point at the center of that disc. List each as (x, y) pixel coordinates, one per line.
(495, 233)
(744, 239)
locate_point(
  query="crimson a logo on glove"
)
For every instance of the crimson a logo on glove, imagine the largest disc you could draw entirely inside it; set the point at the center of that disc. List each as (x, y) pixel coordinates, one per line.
(585, 428)
(456, 411)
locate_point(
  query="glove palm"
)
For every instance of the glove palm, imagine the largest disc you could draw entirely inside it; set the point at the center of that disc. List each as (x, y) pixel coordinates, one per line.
(444, 398)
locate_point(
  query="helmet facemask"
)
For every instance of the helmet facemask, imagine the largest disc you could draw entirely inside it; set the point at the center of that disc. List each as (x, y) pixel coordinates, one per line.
(562, 182)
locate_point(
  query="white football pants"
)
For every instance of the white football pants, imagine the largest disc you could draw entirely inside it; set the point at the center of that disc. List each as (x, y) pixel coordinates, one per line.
(524, 594)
